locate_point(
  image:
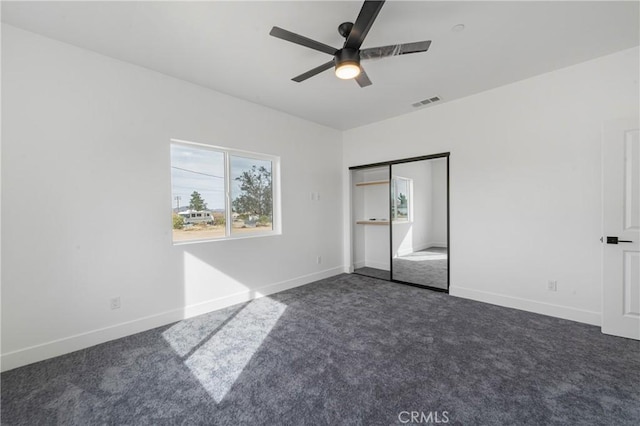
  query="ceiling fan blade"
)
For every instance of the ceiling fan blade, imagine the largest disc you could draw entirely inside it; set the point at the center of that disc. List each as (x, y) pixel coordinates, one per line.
(395, 50)
(361, 27)
(311, 73)
(301, 40)
(363, 78)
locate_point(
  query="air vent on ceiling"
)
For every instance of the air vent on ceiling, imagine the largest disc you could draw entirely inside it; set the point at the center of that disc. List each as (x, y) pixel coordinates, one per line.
(426, 101)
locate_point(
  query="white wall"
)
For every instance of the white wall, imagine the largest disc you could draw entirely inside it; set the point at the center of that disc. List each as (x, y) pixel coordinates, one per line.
(86, 133)
(525, 181)
(438, 229)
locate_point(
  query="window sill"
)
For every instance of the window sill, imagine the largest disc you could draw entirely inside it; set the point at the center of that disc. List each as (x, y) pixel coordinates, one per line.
(230, 238)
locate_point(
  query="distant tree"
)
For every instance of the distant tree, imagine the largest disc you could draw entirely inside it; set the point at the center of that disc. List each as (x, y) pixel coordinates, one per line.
(196, 202)
(402, 201)
(256, 197)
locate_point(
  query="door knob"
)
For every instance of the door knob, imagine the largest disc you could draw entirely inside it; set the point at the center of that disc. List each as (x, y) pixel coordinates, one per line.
(615, 240)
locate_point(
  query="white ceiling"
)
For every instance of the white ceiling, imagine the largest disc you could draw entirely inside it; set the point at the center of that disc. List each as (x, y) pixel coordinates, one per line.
(226, 46)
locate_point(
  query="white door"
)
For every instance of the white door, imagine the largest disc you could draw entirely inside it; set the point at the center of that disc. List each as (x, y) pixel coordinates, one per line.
(621, 222)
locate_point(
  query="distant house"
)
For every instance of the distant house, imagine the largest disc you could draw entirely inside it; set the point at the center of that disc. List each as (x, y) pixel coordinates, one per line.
(196, 216)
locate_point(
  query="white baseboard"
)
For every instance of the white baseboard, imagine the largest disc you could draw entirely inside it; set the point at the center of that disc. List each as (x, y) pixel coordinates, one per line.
(29, 355)
(559, 311)
(414, 249)
(404, 252)
(377, 265)
(421, 247)
(439, 244)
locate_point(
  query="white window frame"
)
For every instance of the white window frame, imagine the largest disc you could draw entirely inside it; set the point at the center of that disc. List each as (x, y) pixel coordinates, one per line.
(275, 188)
(409, 218)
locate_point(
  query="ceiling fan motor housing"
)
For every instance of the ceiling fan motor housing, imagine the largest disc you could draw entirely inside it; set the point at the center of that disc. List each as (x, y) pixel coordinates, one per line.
(347, 56)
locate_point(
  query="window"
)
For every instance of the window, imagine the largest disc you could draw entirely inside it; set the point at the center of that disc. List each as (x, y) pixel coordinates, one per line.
(401, 199)
(219, 193)
(251, 195)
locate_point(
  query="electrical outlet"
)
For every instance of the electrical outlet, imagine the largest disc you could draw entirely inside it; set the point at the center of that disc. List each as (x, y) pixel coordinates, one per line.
(115, 303)
(552, 285)
(319, 260)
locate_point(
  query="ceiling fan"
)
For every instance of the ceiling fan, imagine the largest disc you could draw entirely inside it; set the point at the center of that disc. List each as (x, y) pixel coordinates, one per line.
(347, 59)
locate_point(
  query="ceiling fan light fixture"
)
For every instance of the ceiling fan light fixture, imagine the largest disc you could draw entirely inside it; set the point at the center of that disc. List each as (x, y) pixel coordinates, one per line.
(347, 64)
(347, 70)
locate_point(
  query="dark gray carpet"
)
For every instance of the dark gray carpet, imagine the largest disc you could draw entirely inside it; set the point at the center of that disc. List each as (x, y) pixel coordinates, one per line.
(348, 350)
(426, 267)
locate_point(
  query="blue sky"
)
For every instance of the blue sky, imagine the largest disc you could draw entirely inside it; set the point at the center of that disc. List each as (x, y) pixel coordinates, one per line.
(202, 170)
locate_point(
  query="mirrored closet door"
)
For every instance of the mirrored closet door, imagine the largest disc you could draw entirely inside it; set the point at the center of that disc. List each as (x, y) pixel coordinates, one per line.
(400, 221)
(419, 223)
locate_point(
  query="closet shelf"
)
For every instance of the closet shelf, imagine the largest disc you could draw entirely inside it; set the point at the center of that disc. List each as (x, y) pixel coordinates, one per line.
(373, 182)
(372, 222)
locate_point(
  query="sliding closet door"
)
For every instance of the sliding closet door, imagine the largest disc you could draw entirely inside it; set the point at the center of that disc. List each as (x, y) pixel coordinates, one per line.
(419, 222)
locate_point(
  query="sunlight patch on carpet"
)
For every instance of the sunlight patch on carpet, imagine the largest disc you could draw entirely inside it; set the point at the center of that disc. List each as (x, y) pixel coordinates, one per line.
(218, 361)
